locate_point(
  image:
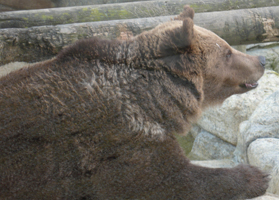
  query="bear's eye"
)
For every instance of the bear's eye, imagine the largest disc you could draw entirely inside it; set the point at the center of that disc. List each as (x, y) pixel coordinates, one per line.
(229, 53)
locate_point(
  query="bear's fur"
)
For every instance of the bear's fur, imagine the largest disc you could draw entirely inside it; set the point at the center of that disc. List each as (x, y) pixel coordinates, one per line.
(98, 120)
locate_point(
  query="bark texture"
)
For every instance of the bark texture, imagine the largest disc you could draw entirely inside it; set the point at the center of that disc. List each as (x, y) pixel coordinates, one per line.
(39, 43)
(105, 12)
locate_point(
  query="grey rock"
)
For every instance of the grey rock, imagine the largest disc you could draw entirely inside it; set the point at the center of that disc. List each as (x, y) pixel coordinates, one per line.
(263, 123)
(241, 48)
(5, 69)
(269, 50)
(224, 121)
(267, 197)
(264, 153)
(226, 163)
(207, 146)
(195, 130)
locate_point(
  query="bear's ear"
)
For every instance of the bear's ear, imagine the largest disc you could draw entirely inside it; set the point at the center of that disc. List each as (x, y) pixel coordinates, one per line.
(187, 33)
(187, 30)
(179, 38)
(187, 12)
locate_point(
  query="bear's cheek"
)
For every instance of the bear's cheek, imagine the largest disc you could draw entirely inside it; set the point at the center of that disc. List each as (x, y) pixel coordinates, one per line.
(222, 81)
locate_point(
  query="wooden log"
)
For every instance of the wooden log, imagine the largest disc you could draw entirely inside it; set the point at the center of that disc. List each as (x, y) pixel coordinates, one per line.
(66, 3)
(39, 43)
(24, 19)
(7, 5)
(27, 4)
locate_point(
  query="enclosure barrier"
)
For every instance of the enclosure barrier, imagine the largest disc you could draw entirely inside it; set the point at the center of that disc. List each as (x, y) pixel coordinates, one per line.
(36, 43)
(106, 12)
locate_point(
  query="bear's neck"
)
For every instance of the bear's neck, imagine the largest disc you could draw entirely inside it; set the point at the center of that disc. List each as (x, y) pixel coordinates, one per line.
(159, 103)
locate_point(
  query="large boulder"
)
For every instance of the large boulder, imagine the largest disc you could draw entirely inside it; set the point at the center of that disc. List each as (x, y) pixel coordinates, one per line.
(262, 124)
(267, 197)
(264, 153)
(5, 69)
(209, 147)
(249, 121)
(224, 121)
(269, 50)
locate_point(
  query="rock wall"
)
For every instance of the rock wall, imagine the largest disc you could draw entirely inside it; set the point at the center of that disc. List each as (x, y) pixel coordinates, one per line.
(269, 50)
(245, 129)
(264, 153)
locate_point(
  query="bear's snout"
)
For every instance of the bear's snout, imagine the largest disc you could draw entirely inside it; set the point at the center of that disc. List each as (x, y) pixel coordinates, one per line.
(262, 60)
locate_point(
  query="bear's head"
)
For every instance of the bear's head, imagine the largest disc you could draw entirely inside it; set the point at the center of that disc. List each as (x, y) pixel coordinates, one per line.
(225, 71)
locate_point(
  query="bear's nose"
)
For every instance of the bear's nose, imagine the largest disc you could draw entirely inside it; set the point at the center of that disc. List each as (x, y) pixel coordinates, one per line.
(262, 60)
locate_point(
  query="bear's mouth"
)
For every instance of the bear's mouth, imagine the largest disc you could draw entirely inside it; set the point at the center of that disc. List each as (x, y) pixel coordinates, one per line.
(249, 85)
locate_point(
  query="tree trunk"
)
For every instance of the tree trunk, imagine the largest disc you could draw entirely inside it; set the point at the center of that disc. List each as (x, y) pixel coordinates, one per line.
(39, 43)
(66, 3)
(23, 19)
(27, 4)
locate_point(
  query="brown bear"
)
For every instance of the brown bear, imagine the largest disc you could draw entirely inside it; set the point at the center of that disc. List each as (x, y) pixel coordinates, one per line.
(98, 120)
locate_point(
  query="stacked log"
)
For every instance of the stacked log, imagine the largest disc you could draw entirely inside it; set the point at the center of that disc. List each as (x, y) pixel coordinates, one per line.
(106, 12)
(36, 43)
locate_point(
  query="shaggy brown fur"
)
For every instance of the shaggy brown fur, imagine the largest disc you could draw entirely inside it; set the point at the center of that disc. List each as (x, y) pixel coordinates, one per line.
(97, 121)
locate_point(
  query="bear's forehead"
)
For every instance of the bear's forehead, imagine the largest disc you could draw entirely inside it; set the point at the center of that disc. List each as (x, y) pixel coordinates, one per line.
(204, 33)
(209, 34)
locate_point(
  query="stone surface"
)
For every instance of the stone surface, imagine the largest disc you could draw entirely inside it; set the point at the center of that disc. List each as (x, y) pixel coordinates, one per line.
(214, 163)
(264, 153)
(224, 121)
(196, 129)
(5, 69)
(269, 50)
(267, 197)
(263, 123)
(260, 108)
(207, 146)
